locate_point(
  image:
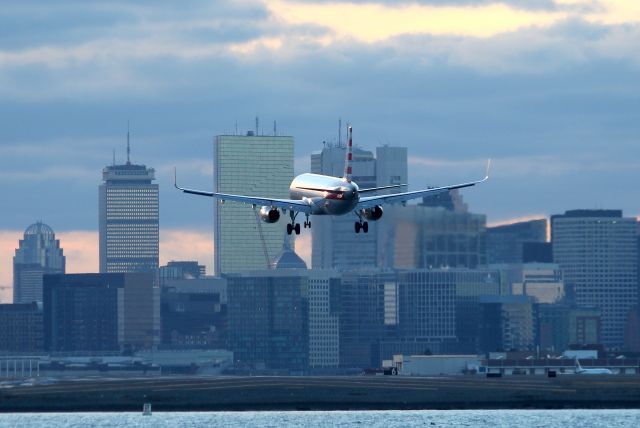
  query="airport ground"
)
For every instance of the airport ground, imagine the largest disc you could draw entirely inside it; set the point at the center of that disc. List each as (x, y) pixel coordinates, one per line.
(321, 393)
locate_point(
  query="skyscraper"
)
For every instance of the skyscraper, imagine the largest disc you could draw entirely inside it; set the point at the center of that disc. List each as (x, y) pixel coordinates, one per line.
(248, 165)
(597, 251)
(505, 243)
(335, 246)
(39, 253)
(129, 218)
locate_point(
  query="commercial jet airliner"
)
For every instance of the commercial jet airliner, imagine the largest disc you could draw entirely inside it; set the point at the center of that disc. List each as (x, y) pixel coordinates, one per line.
(591, 371)
(314, 194)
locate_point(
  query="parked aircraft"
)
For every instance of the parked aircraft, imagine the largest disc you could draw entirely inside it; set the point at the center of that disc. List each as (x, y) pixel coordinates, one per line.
(315, 194)
(591, 371)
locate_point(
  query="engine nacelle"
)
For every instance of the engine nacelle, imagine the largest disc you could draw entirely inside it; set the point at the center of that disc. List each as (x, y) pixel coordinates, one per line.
(372, 214)
(269, 214)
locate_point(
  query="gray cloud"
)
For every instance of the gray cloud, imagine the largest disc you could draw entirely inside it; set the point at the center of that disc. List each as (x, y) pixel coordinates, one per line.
(558, 97)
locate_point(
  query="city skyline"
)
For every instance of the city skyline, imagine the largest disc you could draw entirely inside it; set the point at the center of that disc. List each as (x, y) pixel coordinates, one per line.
(549, 91)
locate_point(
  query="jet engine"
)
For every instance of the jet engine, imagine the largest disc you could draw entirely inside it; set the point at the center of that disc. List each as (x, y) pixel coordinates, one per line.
(372, 214)
(269, 214)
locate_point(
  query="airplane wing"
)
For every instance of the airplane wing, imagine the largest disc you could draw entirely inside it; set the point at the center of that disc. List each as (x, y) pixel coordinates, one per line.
(286, 204)
(371, 201)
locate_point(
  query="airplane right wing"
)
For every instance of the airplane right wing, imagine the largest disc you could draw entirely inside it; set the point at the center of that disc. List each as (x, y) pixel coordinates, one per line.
(286, 204)
(371, 201)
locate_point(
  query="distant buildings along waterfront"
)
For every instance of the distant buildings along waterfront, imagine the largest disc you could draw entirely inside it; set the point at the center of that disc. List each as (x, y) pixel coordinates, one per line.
(39, 253)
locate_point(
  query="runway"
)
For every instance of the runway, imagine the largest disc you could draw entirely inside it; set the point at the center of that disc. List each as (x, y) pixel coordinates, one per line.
(323, 393)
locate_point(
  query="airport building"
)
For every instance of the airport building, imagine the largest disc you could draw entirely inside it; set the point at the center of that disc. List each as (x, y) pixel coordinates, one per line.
(598, 253)
(128, 219)
(38, 253)
(335, 245)
(248, 165)
(101, 312)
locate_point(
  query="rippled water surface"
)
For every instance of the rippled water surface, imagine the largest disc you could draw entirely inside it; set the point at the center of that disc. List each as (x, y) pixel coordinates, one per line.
(387, 419)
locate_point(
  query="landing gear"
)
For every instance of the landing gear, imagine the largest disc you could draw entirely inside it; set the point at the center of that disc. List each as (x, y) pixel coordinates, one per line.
(293, 226)
(364, 226)
(307, 222)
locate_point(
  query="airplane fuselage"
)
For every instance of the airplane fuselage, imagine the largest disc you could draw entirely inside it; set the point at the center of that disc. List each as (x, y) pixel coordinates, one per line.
(327, 195)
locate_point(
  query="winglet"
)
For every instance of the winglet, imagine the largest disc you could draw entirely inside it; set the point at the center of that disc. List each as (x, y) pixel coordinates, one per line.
(486, 177)
(175, 180)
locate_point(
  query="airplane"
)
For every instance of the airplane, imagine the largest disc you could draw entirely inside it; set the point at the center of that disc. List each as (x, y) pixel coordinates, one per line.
(591, 371)
(315, 194)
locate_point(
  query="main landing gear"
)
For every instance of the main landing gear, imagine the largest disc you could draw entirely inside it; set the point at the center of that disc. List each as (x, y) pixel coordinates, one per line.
(361, 225)
(295, 227)
(364, 226)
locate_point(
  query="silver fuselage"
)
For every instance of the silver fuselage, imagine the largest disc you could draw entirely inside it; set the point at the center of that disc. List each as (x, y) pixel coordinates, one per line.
(327, 195)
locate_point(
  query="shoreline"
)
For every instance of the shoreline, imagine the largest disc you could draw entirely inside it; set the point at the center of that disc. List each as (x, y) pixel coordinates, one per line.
(175, 394)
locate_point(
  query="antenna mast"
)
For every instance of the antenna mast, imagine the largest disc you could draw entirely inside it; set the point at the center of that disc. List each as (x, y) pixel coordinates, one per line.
(339, 132)
(128, 146)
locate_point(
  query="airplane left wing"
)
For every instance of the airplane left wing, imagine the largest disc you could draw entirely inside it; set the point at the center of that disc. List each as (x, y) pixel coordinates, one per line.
(286, 204)
(371, 201)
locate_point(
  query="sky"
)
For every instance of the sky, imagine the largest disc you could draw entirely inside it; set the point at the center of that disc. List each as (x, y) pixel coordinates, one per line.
(549, 89)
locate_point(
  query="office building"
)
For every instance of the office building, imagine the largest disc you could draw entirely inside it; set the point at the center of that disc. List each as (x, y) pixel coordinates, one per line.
(335, 245)
(182, 270)
(541, 281)
(21, 327)
(507, 323)
(38, 253)
(505, 243)
(324, 319)
(193, 313)
(249, 165)
(268, 319)
(427, 237)
(128, 219)
(101, 312)
(598, 254)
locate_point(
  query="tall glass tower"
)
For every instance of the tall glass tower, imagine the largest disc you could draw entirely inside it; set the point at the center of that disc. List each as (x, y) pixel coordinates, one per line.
(252, 165)
(39, 253)
(129, 218)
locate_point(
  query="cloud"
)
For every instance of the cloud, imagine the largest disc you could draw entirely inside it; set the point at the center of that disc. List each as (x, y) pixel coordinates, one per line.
(82, 254)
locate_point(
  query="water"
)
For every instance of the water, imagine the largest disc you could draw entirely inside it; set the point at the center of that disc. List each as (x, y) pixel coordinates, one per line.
(362, 419)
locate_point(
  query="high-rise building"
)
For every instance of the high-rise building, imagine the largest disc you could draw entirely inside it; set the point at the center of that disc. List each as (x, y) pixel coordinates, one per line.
(248, 165)
(598, 254)
(268, 319)
(505, 243)
(39, 253)
(128, 218)
(507, 323)
(426, 237)
(21, 327)
(542, 281)
(335, 245)
(324, 318)
(101, 312)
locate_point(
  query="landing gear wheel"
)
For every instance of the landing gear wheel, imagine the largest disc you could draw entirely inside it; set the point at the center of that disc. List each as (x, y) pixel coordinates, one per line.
(289, 228)
(358, 226)
(365, 227)
(297, 228)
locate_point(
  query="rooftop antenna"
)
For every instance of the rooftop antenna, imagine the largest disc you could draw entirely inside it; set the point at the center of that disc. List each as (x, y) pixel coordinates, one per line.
(275, 129)
(128, 146)
(114, 157)
(257, 123)
(339, 132)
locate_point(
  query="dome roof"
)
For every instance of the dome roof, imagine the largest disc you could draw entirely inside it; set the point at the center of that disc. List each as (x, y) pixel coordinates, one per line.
(288, 259)
(38, 228)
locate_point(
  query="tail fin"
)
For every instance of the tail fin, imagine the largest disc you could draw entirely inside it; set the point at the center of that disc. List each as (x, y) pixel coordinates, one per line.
(349, 156)
(578, 366)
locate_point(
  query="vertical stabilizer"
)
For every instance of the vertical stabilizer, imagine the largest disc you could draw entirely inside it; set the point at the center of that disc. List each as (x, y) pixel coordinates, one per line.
(349, 156)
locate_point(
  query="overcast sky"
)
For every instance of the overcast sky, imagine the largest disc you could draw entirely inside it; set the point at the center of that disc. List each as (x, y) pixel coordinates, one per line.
(550, 89)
